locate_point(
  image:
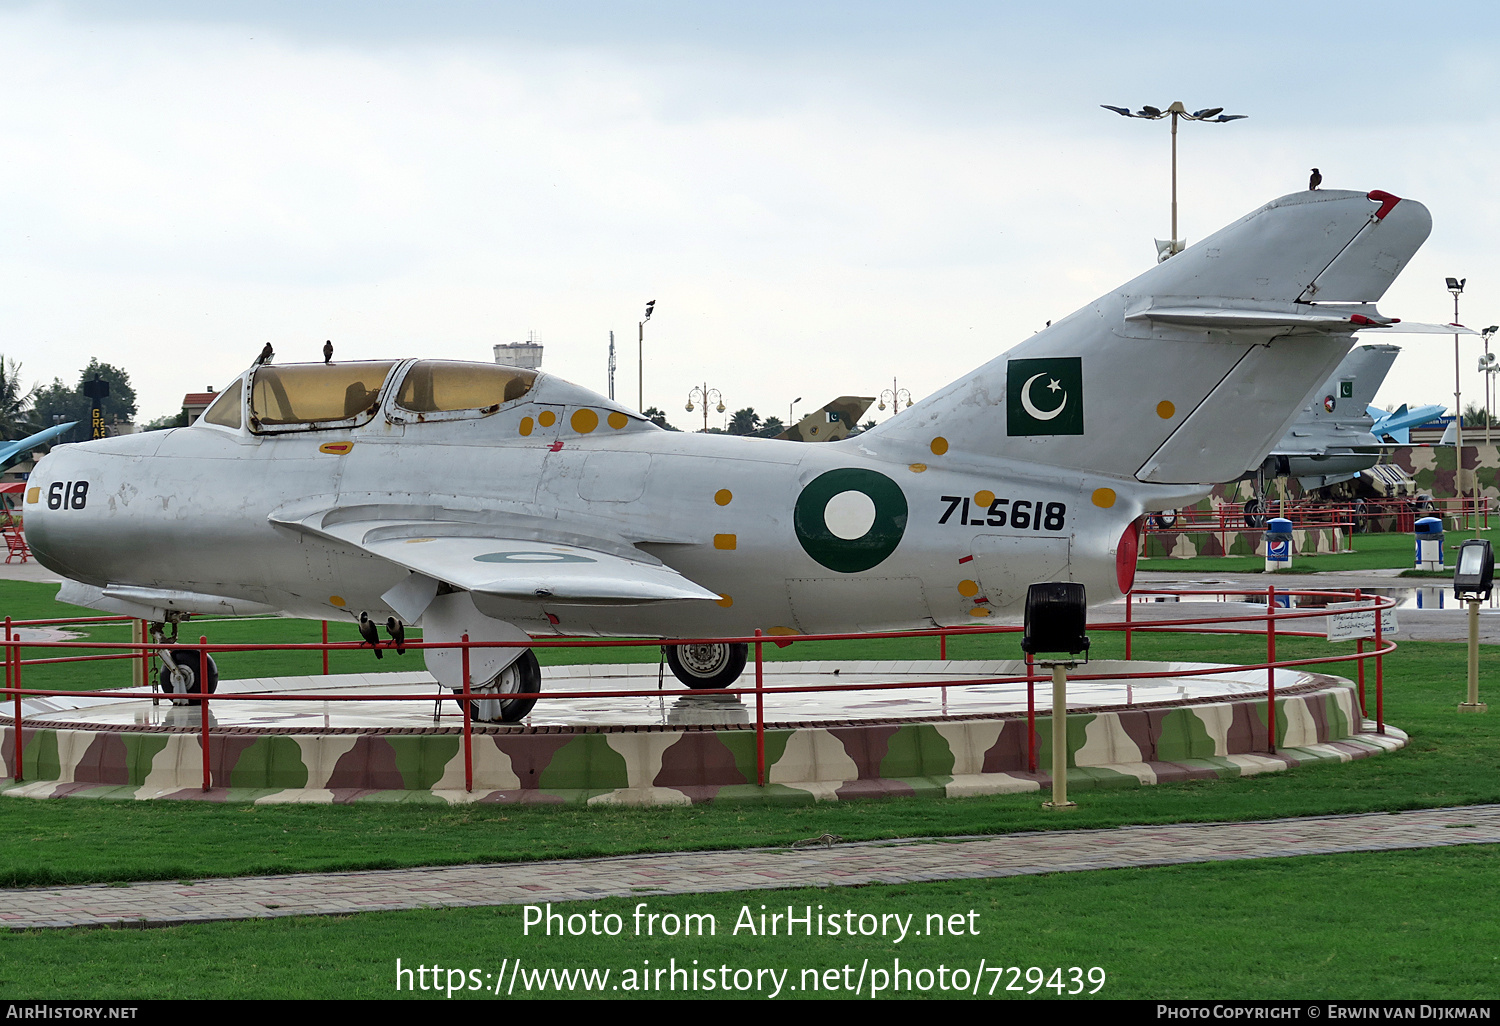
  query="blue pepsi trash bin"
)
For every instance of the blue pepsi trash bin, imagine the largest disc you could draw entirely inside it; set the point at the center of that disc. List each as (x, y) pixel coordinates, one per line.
(1278, 544)
(1429, 535)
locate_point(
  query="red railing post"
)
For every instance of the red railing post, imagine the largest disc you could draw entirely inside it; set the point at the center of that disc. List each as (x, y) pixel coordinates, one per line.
(13, 679)
(1359, 650)
(468, 735)
(1379, 680)
(325, 648)
(1128, 604)
(203, 708)
(1271, 669)
(1030, 714)
(760, 714)
(943, 645)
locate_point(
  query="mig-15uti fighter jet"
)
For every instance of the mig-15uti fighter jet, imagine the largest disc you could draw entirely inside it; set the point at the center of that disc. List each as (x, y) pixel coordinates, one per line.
(504, 503)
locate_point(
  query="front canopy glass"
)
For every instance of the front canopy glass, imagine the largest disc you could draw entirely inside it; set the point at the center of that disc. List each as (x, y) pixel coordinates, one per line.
(314, 394)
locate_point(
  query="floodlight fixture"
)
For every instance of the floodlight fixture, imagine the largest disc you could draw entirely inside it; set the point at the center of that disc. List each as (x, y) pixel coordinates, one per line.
(1456, 285)
(1176, 111)
(1474, 574)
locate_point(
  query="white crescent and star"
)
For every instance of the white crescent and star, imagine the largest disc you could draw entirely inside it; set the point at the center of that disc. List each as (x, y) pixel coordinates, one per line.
(1031, 407)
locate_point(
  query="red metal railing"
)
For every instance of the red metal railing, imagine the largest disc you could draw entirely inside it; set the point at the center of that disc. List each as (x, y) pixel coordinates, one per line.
(1249, 622)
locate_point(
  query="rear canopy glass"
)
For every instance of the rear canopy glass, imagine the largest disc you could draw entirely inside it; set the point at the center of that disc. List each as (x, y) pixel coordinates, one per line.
(439, 386)
(315, 393)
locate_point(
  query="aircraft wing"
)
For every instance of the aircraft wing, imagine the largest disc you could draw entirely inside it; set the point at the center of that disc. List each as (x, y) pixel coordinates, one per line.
(10, 449)
(508, 556)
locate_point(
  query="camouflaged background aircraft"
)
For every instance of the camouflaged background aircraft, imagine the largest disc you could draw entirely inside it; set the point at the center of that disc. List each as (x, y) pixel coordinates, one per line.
(502, 503)
(833, 422)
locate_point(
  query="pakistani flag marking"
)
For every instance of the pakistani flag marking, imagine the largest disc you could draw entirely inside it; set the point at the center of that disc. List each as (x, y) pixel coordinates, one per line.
(1045, 397)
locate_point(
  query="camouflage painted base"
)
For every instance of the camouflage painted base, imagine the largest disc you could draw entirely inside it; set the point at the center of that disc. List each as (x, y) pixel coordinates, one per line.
(1187, 544)
(1123, 746)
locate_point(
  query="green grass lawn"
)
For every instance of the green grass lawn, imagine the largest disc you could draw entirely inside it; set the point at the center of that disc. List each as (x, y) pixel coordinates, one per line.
(1378, 925)
(1401, 924)
(1371, 552)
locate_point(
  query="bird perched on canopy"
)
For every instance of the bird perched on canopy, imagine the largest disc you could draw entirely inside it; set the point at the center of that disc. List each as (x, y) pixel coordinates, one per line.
(1315, 180)
(328, 351)
(265, 354)
(370, 634)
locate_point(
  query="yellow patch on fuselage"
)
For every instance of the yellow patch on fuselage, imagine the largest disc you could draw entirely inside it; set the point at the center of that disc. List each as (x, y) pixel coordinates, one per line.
(725, 601)
(336, 600)
(984, 498)
(939, 445)
(33, 495)
(723, 496)
(584, 421)
(336, 448)
(725, 541)
(968, 589)
(617, 420)
(1104, 498)
(526, 426)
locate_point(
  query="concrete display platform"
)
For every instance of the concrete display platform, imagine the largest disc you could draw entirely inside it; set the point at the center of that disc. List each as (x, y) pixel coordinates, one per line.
(679, 746)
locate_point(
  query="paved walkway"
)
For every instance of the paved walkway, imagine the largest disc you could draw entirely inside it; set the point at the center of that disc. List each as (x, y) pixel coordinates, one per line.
(696, 873)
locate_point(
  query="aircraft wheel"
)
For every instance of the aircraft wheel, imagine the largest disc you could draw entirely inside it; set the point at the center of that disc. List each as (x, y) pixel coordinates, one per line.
(1165, 520)
(707, 667)
(522, 677)
(187, 662)
(1255, 514)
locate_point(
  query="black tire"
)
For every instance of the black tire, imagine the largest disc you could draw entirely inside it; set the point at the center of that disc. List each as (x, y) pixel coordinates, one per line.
(187, 659)
(707, 667)
(525, 678)
(1165, 520)
(1361, 517)
(1255, 514)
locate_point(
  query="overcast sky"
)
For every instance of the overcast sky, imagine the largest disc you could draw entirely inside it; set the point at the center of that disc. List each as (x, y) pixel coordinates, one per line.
(821, 197)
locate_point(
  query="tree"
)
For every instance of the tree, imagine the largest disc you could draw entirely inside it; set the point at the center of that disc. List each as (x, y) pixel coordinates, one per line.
(658, 418)
(58, 400)
(16, 405)
(1476, 416)
(744, 422)
(770, 427)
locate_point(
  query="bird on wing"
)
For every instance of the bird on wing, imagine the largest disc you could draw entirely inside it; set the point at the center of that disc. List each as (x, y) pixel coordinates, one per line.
(328, 351)
(1316, 179)
(397, 630)
(370, 634)
(265, 354)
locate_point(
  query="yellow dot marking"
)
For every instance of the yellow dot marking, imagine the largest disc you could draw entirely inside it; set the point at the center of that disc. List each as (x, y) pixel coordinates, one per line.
(547, 418)
(979, 611)
(1104, 498)
(939, 445)
(917, 468)
(725, 541)
(584, 421)
(725, 601)
(723, 496)
(984, 499)
(335, 600)
(617, 420)
(32, 495)
(526, 426)
(1165, 409)
(968, 589)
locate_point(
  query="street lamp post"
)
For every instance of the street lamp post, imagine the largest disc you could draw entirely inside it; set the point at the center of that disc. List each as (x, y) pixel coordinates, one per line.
(641, 357)
(1175, 111)
(705, 396)
(1456, 287)
(1488, 368)
(895, 395)
(790, 420)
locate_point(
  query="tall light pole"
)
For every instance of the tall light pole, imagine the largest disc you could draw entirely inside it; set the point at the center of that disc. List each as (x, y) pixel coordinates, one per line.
(789, 406)
(640, 402)
(705, 396)
(1488, 367)
(1456, 287)
(1175, 111)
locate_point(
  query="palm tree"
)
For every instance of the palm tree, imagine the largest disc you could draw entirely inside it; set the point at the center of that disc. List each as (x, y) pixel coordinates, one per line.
(15, 404)
(744, 422)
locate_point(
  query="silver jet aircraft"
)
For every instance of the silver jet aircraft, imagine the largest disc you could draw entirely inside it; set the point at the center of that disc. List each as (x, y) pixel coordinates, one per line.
(503, 503)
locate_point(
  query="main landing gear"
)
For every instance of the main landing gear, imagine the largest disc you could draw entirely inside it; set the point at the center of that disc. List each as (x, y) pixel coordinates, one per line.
(707, 667)
(503, 700)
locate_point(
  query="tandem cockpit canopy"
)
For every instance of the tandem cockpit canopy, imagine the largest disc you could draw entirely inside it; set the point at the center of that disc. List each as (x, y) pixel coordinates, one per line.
(302, 397)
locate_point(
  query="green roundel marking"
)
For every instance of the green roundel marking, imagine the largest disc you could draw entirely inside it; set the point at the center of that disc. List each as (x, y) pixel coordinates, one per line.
(532, 557)
(850, 555)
